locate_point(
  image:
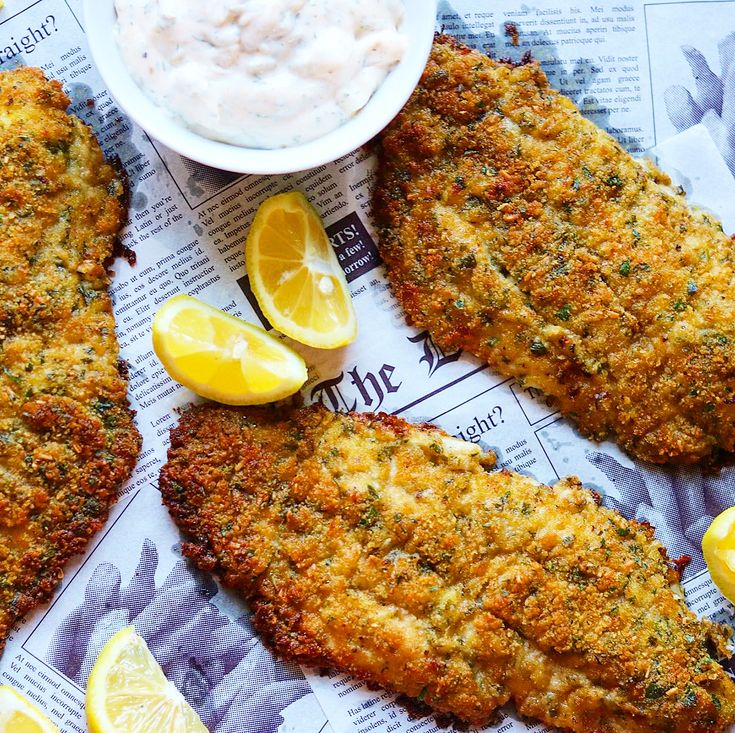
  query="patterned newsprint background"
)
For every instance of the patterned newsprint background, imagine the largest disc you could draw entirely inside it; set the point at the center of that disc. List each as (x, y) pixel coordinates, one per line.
(646, 72)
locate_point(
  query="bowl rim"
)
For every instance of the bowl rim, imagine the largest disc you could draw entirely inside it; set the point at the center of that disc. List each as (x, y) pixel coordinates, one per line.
(390, 97)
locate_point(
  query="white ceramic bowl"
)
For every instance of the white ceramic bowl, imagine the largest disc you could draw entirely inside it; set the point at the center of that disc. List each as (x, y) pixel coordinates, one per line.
(100, 18)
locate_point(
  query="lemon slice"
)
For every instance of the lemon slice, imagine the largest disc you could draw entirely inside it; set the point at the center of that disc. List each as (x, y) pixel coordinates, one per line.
(127, 692)
(718, 547)
(18, 715)
(221, 357)
(295, 276)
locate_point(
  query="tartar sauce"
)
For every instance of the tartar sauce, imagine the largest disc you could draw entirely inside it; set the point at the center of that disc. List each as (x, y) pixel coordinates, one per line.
(261, 73)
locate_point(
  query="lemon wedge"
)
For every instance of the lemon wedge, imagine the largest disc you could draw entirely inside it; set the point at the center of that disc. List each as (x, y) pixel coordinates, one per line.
(295, 275)
(18, 715)
(128, 692)
(718, 547)
(221, 357)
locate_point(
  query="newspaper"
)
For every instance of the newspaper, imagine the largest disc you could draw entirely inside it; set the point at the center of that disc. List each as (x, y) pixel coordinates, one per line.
(650, 73)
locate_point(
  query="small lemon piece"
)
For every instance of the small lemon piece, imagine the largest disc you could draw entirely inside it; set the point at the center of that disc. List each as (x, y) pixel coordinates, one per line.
(128, 692)
(295, 275)
(718, 547)
(18, 715)
(221, 357)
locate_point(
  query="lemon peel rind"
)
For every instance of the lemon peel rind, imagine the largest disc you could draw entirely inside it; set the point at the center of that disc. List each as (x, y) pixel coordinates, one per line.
(717, 533)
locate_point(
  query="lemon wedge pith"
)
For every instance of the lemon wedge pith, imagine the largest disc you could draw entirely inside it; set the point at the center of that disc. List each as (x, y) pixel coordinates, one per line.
(718, 548)
(128, 692)
(19, 715)
(296, 278)
(222, 357)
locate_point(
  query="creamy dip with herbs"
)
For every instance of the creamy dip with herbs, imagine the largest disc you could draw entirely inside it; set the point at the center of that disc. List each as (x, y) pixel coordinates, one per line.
(261, 73)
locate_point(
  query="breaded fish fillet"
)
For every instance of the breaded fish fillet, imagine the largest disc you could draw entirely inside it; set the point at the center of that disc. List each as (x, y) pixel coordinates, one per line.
(520, 232)
(67, 439)
(387, 550)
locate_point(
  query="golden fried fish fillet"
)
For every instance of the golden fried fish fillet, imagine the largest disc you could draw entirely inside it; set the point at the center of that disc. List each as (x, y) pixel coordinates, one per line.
(67, 438)
(520, 232)
(387, 550)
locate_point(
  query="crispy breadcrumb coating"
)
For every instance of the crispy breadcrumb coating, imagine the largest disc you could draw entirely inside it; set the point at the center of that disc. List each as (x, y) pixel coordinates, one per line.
(67, 438)
(387, 550)
(520, 232)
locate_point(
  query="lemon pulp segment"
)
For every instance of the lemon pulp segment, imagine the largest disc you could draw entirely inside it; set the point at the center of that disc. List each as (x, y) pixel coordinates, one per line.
(128, 692)
(295, 275)
(222, 357)
(19, 715)
(718, 547)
